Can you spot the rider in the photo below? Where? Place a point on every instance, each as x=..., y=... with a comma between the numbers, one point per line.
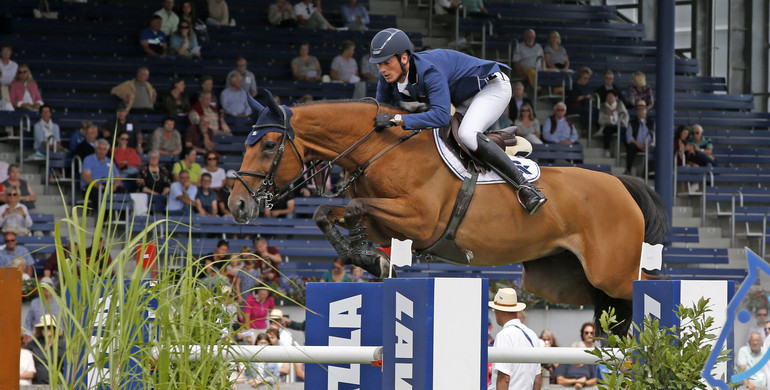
x=478, y=89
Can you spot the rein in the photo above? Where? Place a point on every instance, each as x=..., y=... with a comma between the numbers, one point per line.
x=268, y=192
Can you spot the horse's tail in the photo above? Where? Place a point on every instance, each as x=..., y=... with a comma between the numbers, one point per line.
x=655, y=226
x=655, y=217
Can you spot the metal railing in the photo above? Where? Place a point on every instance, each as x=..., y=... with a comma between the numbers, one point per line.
x=23, y=120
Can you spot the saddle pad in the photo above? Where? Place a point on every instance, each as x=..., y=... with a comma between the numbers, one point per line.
x=528, y=168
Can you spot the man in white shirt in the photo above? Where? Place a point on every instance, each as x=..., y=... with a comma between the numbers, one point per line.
x=748, y=357
x=169, y=17
x=525, y=57
x=309, y=15
x=513, y=376
x=7, y=66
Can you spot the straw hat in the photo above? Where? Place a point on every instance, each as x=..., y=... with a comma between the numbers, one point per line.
x=276, y=314
x=641, y=103
x=46, y=321
x=506, y=300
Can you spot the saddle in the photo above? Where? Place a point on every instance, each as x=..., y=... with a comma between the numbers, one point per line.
x=450, y=137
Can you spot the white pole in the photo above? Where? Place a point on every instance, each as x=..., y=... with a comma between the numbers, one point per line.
x=366, y=355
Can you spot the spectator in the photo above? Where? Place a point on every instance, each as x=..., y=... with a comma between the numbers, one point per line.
x=337, y=273
x=269, y=271
x=636, y=134
x=181, y=195
x=24, y=92
x=199, y=137
x=45, y=129
x=517, y=100
x=187, y=163
x=475, y=8
x=684, y=153
x=344, y=67
x=609, y=85
x=5, y=96
x=98, y=166
x=513, y=335
x=79, y=135
x=262, y=375
x=525, y=57
x=154, y=42
x=27, y=196
x=576, y=375
x=580, y=97
x=51, y=267
x=703, y=147
x=42, y=305
x=357, y=274
x=219, y=14
x=555, y=54
x=285, y=338
x=8, y=67
x=586, y=336
x=759, y=326
x=206, y=198
x=368, y=70
x=154, y=178
x=87, y=146
x=281, y=14
x=126, y=159
x=527, y=125
x=137, y=94
x=306, y=67
x=13, y=250
x=189, y=14
x=249, y=80
x=234, y=99
x=176, y=102
x=247, y=277
x=548, y=340
x=216, y=172
x=184, y=42
x=207, y=85
x=611, y=115
x=27, y=272
x=169, y=19
x=306, y=98
x=639, y=90
x=43, y=348
x=445, y=8
x=767, y=330
x=213, y=261
x=166, y=139
x=355, y=16
x=749, y=356
x=257, y=309
x=124, y=124
x=224, y=193
x=309, y=15
x=558, y=129
x=14, y=216
x=205, y=107
x=27, y=368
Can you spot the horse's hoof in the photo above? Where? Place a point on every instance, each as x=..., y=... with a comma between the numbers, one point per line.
x=383, y=261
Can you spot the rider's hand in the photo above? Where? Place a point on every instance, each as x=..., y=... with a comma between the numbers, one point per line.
x=383, y=121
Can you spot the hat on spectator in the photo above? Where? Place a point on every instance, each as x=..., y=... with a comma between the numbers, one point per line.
x=46, y=321
x=46, y=280
x=276, y=314
x=641, y=103
x=231, y=174
x=506, y=300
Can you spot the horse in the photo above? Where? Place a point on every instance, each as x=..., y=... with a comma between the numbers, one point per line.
x=582, y=247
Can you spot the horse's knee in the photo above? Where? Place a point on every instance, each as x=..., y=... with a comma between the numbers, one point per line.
x=354, y=210
x=321, y=217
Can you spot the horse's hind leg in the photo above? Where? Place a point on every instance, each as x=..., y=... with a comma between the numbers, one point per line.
x=353, y=250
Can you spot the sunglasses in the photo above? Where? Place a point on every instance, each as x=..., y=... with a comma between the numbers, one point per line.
x=184, y=27
x=525, y=111
x=588, y=332
x=761, y=314
x=10, y=240
x=123, y=138
x=13, y=194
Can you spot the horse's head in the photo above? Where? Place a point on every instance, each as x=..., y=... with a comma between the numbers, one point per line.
x=265, y=173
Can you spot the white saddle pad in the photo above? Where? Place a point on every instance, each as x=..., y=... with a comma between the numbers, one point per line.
x=528, y=168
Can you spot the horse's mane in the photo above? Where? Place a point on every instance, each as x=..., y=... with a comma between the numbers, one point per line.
x=367, y=101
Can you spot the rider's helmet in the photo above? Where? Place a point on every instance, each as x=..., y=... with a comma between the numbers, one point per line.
x=388, y=43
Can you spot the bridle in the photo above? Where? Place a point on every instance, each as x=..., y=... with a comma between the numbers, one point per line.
x=269, y=192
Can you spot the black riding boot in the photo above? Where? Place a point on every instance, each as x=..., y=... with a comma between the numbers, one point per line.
x=529, y=196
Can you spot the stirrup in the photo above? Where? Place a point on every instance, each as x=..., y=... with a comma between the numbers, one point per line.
x=537, y=207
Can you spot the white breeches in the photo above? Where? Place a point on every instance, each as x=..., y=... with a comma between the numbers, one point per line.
x=483, y=109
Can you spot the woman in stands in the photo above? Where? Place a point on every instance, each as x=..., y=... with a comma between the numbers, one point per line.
x=684, y=153
x=24, y=92
x=527, y=125
x=184, y=42
x=27, y=196
x=479, y=89
x=176, y=102
x=187, y=13
x=305, y=67
x=125, y=157
x=639, y=90
x=187, y=163
x=555, y=54
x=611, y=114
x=14, y=216
x=154, y=178
x=217, y=173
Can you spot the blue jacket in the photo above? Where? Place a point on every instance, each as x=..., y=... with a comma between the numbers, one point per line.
x=438, y=77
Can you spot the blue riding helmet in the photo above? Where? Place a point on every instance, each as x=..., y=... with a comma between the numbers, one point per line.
x=388, y=43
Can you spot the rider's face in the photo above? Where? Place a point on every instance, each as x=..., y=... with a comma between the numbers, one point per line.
x=391, y=68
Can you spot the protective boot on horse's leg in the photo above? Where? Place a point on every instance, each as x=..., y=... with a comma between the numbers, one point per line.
x=529, y=196
x=370, y=259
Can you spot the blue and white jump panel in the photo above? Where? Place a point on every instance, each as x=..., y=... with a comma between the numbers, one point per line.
x=435, y=333
x=344, y=314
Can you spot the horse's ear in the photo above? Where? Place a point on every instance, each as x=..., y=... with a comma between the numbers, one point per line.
x=271, y=104
x=254, y=104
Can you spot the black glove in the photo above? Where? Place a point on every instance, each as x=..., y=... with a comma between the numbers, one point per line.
x=383, y=121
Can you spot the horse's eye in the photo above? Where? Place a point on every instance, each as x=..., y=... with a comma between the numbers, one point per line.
x=269, y=145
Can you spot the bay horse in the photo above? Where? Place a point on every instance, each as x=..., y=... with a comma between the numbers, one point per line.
x=583, y=247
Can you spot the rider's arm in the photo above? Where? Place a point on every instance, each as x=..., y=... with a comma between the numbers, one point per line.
x=440, y=102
